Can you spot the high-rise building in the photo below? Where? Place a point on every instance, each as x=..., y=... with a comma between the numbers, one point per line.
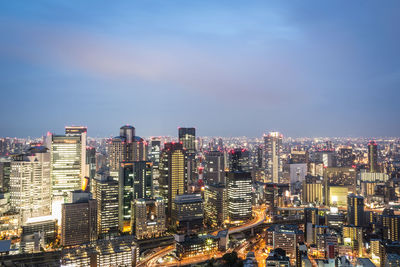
x=30, y=191
x=311, y=218
x=313, y=190
x=239, y=160
x=273, y=149
x=391, y=226
x=154, y=157
x=215, y=204
x=373, y=156
x=239, y=192
x=187, y=136
x=79, y=220
x=285, y=237
x=148, y=218
x=299, y=156
x=355, y=210
x=135, y=181
x=5, y=169
x=68, y=162
x=345, y=156
x=277, y=258
x=90, y=162
x=173, y=180
x=188, y=213
x=214, y=171
x=126, y=148
x=105, y=190
x=353, y=236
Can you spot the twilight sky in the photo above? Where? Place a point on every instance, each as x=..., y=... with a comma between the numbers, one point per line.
x=305, y=68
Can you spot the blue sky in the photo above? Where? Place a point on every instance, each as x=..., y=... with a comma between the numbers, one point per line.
x=305, y=68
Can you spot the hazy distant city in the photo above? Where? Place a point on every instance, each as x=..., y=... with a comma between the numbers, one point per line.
x=166, y=133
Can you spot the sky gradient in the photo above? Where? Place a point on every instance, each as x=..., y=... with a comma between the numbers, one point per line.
x=230, y=68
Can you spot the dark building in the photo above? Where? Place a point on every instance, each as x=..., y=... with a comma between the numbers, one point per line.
x=79, y=220
x=135, y=181
x=187, y=136
x=214, y=171
x=239, y=160
x=355, y=210
x=91, y=161
x=5, y=170
x=215, y=204
x=373, y=156
x=345, y=156
x=173, y=175
x=188, y=213
x=311, y=218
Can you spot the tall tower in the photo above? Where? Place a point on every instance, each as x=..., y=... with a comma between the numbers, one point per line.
x=172, y=174
x=373, y=156
x=239, y=189
x=355, y=210
x=68, y=161
x=135, y=181
x=126, y=147
x=187, y=136
x=30, y=191
x=273, y=149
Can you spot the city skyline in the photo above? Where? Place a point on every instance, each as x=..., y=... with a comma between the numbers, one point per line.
x=303, y=69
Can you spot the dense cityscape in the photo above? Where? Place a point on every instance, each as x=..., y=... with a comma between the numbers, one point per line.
x=186, y=200
x=165, y=133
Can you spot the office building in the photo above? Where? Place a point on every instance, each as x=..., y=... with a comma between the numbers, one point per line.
x=127, y=147
x=215, y=205
x=30, y=191
x=355, y=210
x=173, y=178
x=239, y=192
x=194, y=245
x=45, y=224
x=5, y=170
x=299, y=156
x=90, y=162
x=79, y=220
x=239, y=160
x=187, y=136
x=105, y=191
x=148, y=218
x=373, y=156
x=154, y=157
x=214, y=169
x=135, y=181
x=188, y=213
x=273, y=150
x=313, y=190
x=68, y=163
x=345, y=156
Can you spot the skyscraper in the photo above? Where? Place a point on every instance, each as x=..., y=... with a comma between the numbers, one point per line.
x=187, y=136
x=239, y=160
x=30, y=191
x=5, y=168
x=68, y=161
x=311, y=219
x=172, y=174
x=373, y=156
x=79, y=220
x=135, y=181
x=188, y=213
x=214, y=171
x=105, y=192
x=345, y=156
x=127, y=147
x=239, y=189
x=355, y=210
x=215, y=204
x=273, y=149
